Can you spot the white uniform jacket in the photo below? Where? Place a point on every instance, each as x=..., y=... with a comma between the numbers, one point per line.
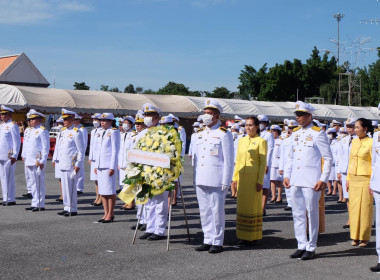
x=309, y=146
x=276, y=155
x=26, y=134
x=10, y=140
x=343, y=153
x=375, y=176
x=268, y=136
x=92, y=152
x=182, y=135
x=107, y=148
x=126, y=143
x=286, y=146
x=214, y=161
x=70, y=151
x=36, y=146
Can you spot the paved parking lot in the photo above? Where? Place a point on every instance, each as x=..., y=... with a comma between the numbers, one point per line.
x=47, y=246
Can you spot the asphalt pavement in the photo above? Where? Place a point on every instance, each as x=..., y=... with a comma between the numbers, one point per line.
x=47, y=246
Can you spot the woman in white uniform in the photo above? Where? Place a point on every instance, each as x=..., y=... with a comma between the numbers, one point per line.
x=107, y=149
x=92, y=156
x=331, y=135
x=275, y=176
x=126, y=141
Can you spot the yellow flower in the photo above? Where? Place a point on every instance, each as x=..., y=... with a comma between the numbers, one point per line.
x=149, y=142
x=155, y=145
x=143, y=149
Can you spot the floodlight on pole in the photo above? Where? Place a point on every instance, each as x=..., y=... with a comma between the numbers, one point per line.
x=338, y=17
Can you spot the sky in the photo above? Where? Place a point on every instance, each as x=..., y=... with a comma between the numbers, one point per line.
x=201, y=43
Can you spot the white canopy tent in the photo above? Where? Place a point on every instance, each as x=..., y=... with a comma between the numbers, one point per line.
x=51, y=100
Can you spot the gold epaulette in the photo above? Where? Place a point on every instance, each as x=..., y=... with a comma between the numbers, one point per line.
x=297, y=128
x=114, y=128
x=75, y=129
x=82, y=126
x=316, y=128
x=376, y=130
x=63, y=128
x=13, y=122
x=223, y=129
x=42, y=127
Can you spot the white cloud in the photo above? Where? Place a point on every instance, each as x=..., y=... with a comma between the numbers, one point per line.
x=35, y=11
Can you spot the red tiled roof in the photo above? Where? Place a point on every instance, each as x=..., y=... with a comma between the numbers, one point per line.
x=6, y=61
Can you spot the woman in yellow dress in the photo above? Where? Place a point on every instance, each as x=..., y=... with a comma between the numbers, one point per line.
x=358, y=178
x=248, y=180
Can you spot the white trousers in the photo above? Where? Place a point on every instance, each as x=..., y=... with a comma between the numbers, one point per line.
x=27, y=180
x=157, y=214
x=345, y=192
x=80, y=181
x=143, y=213
x=211, y=202
x=376, y=196
x=69, y=190
x=266, y=184
x=288, y=196
x=305, y=199
x=37, y=186
x=121, y=177
x=7, y=178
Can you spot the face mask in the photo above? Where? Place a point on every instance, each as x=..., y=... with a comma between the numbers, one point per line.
x=126, y=126
x=148, y=121
x=286, y=128
x=96, y=123
x=330, y=136
x=234, y=134
x=207, y=119
x=242, y=129
x=201, y=125
x=262, y=126
x=195, y=129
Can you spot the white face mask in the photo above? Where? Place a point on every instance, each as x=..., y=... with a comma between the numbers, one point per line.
x=96, y=123
x=262, y=126
x=207, y=119
x=195, y=129
x=242, y=129
x=234, y=134
x=126, y=126
x=201, y=125
x=330, y=136
x=286, y=128
x=148, y=121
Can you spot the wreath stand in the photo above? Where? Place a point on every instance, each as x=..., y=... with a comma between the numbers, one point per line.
x=171, y=194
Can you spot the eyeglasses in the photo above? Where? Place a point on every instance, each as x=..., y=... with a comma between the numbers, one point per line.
x=301, y=114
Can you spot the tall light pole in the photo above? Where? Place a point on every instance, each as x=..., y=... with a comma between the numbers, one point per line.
x=338, y=17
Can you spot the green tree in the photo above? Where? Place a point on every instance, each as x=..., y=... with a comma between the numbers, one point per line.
x=220, y=92
x=81, y=86
x=129, y=89
x=104, y=88
x=173, y=88
x=115, y=89
x=139, y=89
x=149, y=91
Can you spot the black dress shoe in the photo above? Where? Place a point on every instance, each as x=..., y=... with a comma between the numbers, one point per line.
x=155, y=237
x=346, y=226
x=297, y=254
x=9, y=203
x=35, y=209
x=215, y=249
x=242, y=244
x=118, y=191
x=143, y=228
x=28, y=195
x=97, y=204
x=29, y=208
x=279, y=201
x=145, y=235
x=58, y=199
x=133, y=227
x=375, y=268
x=67, y=214
x=128, y=209
x=203, y=247
x=308, y=256
x=287, y=208
x=79, y=192
x=62, y=213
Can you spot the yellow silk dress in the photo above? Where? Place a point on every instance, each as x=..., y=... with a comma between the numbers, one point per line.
x=361, y=202
x=251, y=161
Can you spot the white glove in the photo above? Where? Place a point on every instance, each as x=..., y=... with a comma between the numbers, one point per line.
x=38, y=171
x=225, y=187
x=72, y=175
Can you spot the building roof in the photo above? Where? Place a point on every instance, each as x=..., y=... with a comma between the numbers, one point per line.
x=20, y=70
x=5, y=61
